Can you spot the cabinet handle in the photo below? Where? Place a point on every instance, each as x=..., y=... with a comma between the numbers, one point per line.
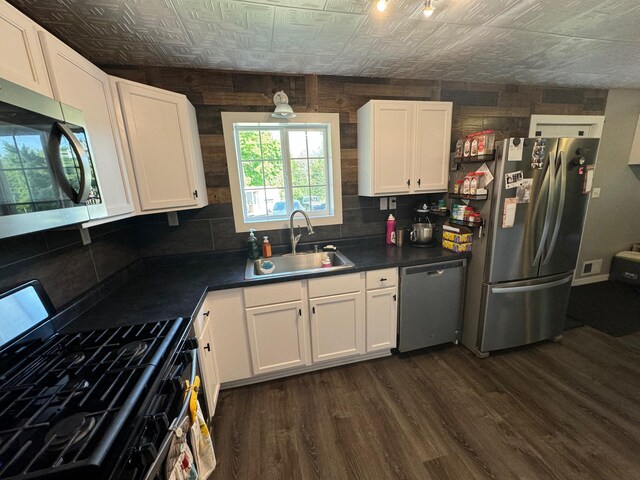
x=313, y=309
x=409, y=183
x=383, y=279
x=195, y=194
x=395, y=297
x=207, y=347
x=300, y=311
x=206, y=314
x=418, y=182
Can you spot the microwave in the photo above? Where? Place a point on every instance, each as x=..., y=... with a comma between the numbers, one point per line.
x=47, y=177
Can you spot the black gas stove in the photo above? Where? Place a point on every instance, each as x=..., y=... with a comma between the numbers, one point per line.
x=89, y=404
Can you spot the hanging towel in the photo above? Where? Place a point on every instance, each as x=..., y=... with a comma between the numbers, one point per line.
x=200, y=438
x=179, y=464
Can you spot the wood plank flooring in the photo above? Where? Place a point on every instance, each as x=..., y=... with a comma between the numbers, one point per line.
x=551, y=411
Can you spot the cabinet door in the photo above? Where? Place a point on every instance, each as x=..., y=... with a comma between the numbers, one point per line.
x=433, y=141
x=393, y=149
x=382, y=319
x=229, y=329
x=21, y=59
x=277, y=337
x=209, y=368
x=337, y=326
x=158, y=130
x=79, y=83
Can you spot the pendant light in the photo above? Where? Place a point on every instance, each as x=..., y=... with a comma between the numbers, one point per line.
x=429, y=8
x=382, y=5
x=283, y=109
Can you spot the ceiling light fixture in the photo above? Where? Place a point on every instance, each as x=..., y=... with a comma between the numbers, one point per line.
x=283, y=109
x=382, y=5
x=429, y=8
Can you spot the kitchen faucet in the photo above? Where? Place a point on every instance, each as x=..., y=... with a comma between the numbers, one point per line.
x=296, y=238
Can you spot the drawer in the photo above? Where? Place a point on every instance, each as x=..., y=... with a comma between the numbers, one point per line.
x=384, y=278
x=336, y=285
x=272, y=294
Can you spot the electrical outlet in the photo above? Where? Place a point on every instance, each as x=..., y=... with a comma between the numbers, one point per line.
x=392, y=203
x=592, y=267
x=595, y=193
x=384, y=203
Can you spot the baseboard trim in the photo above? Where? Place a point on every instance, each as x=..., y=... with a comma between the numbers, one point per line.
x=298, y=370
x=587, y=280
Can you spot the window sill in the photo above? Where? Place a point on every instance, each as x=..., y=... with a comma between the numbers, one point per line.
x=283, y=224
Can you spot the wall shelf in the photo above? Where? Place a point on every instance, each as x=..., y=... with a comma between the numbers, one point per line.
x=465, y=223
x=490, y=157
x=467, y=197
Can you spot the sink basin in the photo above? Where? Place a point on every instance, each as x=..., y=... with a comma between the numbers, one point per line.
x=290, y=264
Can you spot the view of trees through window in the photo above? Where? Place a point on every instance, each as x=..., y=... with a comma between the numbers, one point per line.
x=283, y=168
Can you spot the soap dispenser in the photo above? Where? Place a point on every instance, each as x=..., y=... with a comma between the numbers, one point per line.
x=253, y=250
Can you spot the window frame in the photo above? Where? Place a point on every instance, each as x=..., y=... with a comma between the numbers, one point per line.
x=328, y=121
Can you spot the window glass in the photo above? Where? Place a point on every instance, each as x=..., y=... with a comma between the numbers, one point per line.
x=275, y=180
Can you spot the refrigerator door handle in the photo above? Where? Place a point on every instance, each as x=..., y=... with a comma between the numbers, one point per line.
x=531, y=288
x=560, y=212
x=550, y=201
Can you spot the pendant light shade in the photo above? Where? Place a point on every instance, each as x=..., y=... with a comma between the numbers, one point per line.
x=283, y=109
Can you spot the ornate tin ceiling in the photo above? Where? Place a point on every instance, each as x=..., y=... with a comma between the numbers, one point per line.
x=571, y=42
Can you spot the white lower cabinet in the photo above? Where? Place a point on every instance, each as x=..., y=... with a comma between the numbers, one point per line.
x=338, y=322
x=277, y=336
x=209, y=376
x=382, y=319
x=382, y=309
x=266, y=330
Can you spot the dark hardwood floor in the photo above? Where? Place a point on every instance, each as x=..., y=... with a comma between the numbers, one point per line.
x=551, y=411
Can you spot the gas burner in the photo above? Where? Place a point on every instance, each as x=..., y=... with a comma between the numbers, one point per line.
x=132, y=350
x=73, y=359
x=77, y=383
x=70, y=431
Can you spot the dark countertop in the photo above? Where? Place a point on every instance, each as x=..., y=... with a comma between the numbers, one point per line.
x=174, y=286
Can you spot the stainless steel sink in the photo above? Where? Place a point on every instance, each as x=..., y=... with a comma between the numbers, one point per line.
x=294, y=264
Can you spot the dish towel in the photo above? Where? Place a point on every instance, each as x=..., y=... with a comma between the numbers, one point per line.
x=179, y=464
x=200, y=438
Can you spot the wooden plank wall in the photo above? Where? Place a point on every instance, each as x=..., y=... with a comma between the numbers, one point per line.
x=477, y=106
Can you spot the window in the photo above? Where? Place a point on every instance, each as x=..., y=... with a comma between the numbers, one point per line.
x=275, y=168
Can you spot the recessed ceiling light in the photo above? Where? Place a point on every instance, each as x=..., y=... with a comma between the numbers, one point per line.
x=429, y=8
x=382, y=5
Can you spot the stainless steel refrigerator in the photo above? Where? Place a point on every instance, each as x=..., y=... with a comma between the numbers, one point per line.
x=521, y=270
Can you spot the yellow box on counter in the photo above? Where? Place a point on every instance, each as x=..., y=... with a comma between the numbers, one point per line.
x=456, y=247
x=457, y=237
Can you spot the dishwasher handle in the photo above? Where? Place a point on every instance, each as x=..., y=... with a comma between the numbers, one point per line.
x=433, y=269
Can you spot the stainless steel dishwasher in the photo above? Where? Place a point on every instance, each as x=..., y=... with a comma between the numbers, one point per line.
x=431, y=300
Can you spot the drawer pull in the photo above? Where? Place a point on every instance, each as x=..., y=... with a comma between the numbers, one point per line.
x=206, y=314
x=383, y=279
x=207, y=347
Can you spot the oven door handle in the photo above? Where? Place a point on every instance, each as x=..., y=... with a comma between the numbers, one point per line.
x=157, y=465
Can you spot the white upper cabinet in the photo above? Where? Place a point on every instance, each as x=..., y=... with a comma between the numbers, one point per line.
x=79, y=83
x=21, y=59
x=433, y=142
x=164, y=147
x=403, y=147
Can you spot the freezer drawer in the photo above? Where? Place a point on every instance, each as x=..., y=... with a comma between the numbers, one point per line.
x=519, y=313
x=431, y=298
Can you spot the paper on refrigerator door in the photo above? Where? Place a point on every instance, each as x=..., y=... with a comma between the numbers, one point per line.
x=513, y=180
x=487, y=175
x=509, y=212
